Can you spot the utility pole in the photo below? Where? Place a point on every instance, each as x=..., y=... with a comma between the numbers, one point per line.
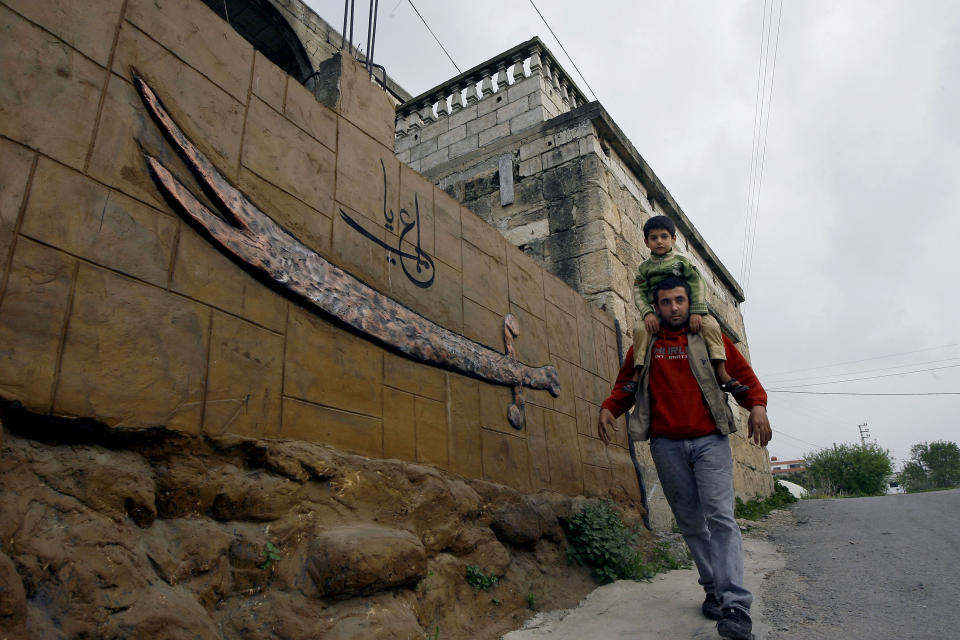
x=864, y=433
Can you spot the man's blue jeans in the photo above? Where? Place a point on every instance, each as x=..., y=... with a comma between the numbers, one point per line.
x=697, y=480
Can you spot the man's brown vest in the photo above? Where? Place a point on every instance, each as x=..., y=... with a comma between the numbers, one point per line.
x=703, y=371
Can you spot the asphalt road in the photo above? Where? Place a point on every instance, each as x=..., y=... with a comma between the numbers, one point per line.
x=878, y=568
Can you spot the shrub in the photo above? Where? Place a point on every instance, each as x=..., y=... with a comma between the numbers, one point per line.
x=859, y=470
x=599, y=539
x=758, y=507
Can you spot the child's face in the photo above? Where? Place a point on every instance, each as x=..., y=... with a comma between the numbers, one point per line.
x=659, y=241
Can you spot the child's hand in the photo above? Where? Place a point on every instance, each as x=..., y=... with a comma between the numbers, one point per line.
x=651, y=322
x=696, y=322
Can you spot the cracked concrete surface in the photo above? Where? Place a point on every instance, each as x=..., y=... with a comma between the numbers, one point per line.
x=666, y=607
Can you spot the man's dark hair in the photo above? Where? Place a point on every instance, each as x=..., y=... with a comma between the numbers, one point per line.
x=670, y=282
x=659, y=222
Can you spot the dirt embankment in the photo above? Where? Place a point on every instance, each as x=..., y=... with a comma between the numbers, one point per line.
x=155, y=534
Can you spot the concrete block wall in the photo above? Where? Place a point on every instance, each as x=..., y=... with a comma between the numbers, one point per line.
x=113, y=308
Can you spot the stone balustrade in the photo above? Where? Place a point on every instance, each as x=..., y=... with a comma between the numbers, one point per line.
x=515, y=90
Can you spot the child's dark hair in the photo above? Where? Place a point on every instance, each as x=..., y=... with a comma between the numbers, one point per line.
x=659, y=222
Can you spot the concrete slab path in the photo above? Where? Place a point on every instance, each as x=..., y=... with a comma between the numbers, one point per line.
x=666, y=607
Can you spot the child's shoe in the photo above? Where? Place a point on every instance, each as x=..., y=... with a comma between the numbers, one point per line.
x=733, y=386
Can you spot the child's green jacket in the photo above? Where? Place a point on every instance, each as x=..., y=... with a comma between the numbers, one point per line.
x=656, y=268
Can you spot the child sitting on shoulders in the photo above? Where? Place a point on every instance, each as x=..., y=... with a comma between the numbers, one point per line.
x=660, y=235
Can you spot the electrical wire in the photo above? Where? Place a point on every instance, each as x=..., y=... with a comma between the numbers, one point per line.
x=889, y=355
x=564, y=50
x=836, y=375
x=753, y=145
x=780, y=432
x=435, y=36
x=851, y=393
x=758, y=149
x=887, y=375
x=758, y=127
x=808, y=407
x=763, y=155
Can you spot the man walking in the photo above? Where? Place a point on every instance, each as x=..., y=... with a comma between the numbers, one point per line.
x=682, y=411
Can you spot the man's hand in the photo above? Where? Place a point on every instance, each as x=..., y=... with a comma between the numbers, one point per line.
x=606, y=422
x=758, y=426
x=651, y=322
x=696, y=321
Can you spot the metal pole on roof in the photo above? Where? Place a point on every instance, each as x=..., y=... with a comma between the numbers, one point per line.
x=373, y=40
x=369, y=36
x=353, y=13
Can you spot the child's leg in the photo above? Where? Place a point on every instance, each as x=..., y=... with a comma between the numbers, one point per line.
x=710, y=330
x=641, y=340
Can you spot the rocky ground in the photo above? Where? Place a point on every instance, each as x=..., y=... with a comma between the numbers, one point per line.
x=155, y=534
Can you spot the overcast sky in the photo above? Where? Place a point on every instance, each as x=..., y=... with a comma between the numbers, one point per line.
x=855, y=259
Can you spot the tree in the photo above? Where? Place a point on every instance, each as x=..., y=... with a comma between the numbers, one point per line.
x=860, y=469
x=934, y=465
x=913, y=477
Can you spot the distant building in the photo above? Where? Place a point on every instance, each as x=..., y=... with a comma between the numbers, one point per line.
x=787, y=466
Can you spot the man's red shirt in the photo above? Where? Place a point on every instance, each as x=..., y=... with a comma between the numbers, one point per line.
x=672, y=384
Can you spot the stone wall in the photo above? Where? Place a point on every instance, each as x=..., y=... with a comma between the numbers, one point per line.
x=113, y=308
x=579, y=212
x=579, y=194
x=503, y=96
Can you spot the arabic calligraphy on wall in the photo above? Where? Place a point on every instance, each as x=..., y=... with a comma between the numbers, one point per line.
x=417, y=265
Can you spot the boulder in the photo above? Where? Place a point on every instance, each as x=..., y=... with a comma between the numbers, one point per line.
x=363, y=559
x=517, y=524
x=13, y=598
x=162, y=613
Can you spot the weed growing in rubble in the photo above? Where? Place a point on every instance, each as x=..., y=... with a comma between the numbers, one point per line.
x=532, y=601
x=271, y=553
x=424, y=583
x=664, y=559
x=479, y=580
x=757, y=508
x=599, y=539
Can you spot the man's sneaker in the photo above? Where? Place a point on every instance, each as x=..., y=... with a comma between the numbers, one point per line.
x=735, y=624
x=711, y=607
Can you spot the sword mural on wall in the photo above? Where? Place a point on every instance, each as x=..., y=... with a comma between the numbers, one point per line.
x=259, y=242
